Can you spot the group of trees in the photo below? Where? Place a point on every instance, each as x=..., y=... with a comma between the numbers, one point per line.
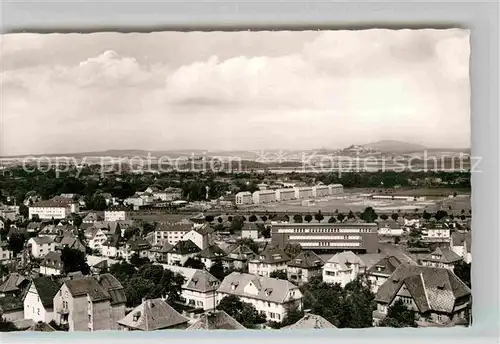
x=148, y=281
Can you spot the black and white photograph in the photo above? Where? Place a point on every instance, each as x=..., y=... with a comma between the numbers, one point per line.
x=235, y=180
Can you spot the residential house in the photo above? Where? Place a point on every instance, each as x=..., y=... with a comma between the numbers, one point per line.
x=135, y=201
x=171, y=233
x=70, y=241
x=270, y=296
x=461, y=244
x=13, y=284
x=137, y=245
x=172, y=194
x=39, y=300
x=436, y=295
x=304, y=266
x=152, y=315
x=201, y=236
x=95, y=238
x=115, y=215
x=90, y=303
x=250, y=230
x=91, y=218
x=34, y=227
x=211, y=254
x=160, y=253
x=6, y=253
x=198, y=290
x=50, y=231
x=442, y=257
x=216, y=320
x=389, y=228
x=310, y=322
x=40, y=246
x=381, y=271
x=181, y=252
x=51, y=264
x=243, y=197
x=271, y=259
x=238, y=257
x=343, y=268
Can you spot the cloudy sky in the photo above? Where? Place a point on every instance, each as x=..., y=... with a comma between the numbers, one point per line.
x=65, y=93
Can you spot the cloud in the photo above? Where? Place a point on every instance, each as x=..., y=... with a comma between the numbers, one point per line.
x=321, y=89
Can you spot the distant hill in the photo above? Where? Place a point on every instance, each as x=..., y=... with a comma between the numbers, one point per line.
x=393, y=146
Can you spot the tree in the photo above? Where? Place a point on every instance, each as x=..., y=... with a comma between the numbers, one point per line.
x=77, y=220
x=263, y=218
x=194, y=263
x=384, y=217
x=236, y=224
x=398, y=315
x=24, y=211
x=252, y=218
x=394, y=216
x=369, y=215
x=217, y=270
x=308, y=218
x=248, y=242
x=332, y=219
x=318, y=216
x=209, y=218
x=462, y=270
x=426, y=215
x=292, y=249
x=242, y=312
x=440, y=214
x=220, y=220
x=74, y=260
x=279, y=274
x=7, y=326
x=297, y=218
x=138, y=261
x=351, y=215
x=148, y=228
x=340, y=217
x=16, y=243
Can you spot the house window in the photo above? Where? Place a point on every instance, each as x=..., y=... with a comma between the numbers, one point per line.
x=90, y=318
x=38, y=311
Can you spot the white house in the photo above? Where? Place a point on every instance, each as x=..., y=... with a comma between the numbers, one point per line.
x=40, y=246
x=51, y=264
x=264, y=196
x=171, y=233
x=211, y=255
x=115, y=215
x=39, y=299
x=343, y=268
x=436, y=233
x=320, y=191
x=5, y=253
x=200, y=236
x=250, y=230
x=243, y=197
x=303, y=192
x=268, y=261
x=285, y=194
x=56, y=208
x=270, y=296
x=95, y=238
x=199, y=288
x=181, y=252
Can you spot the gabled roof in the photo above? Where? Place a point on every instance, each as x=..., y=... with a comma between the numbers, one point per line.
x=12, y=283
x=458, y=239
x=269, y=289
x=272, y=255
x=185, y=247
x=137, y=243
x=387, y=266
x=52, y=259
x=202, y=281
x=45, y=240
x=152, y=315
x=344, y=259
x=306, y=260
x=443, y=255
x=216, y=320
x=212, y=252
x=83, y=286
x=310, y=321
x=431, y=288
x=46, y=288
x=115, y=289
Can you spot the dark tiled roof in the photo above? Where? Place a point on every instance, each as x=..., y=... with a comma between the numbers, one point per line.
x=388, y=265
x=185, y=247
x=216, y=320
x=88, y=286
x=310, y=321
x=432, y=288
x=202, y=281
x=114, y=288
x=273, y=254
x=52, y=259
x=212, y=252
x=306, y=260
x=47, y=288
x=137, y=243
x=443, y=255
x=12, y=283
x=41, y=327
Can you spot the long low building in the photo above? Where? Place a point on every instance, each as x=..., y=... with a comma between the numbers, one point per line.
x=356, y=237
